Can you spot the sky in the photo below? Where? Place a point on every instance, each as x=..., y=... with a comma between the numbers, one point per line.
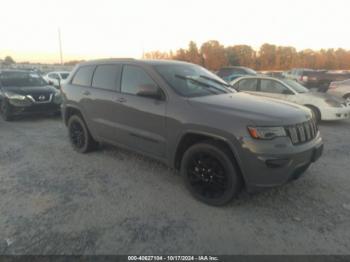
x=127, y=28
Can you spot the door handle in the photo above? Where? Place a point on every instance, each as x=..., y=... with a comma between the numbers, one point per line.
x=86, y=93
x=121, y=100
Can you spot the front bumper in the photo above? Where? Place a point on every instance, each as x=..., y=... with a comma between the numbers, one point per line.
x=46, y=108
x=281, y=164
x=335, y=113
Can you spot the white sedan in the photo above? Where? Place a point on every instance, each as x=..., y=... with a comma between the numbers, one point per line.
x=56, y=78
x=340, y=89
x=324, y=106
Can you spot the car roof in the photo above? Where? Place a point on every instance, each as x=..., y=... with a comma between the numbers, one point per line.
x=235, y=67
x=136, y=61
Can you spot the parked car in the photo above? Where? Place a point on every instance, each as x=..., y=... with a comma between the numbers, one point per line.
x=320, y=79
x=323, y=106
x=56, y=78
x=340, y=89
x=233, y=72
x=23, y=92
x=188, y=118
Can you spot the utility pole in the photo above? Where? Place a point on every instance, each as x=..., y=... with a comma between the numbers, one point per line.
x=60, y=45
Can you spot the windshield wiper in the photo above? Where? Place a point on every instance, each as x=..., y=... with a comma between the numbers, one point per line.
x=215, y=80
x=209, y=86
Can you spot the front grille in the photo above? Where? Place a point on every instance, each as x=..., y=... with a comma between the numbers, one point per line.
x=302, y=133
x=41, y=97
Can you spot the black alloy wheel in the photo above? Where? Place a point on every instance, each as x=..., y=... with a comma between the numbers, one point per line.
x=209, y=173
x=79, y=135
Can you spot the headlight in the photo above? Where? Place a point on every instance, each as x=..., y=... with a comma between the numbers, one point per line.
x=15, y=96
x=333, y=102
x=266, y=133
x=57, y=98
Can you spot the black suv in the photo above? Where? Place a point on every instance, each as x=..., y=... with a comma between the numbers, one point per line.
x=190, y=119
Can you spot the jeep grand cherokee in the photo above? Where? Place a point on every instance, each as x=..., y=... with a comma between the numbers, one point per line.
x=190, y=119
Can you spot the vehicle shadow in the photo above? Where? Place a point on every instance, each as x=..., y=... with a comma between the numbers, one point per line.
x=36, y=118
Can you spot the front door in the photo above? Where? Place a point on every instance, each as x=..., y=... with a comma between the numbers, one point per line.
x=141, y=120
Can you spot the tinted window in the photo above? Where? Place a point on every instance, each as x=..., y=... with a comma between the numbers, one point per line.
x=107, y=77
x=271, y=86
x=134, y=79
x=83, y=76
x=248, y=85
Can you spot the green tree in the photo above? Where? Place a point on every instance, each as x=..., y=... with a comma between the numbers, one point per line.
x=9, y=60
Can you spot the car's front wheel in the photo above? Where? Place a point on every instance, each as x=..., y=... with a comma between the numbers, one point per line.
x=79, y=135
x=210, y=173
x=6, y=110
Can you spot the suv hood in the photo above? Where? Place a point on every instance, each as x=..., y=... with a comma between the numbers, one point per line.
x=33, y=90
x=260, y=110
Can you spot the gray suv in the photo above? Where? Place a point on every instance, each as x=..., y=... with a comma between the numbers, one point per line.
x=190, y=119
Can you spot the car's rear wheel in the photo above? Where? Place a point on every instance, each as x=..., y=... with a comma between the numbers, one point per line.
x=210, y=173
x=6, y=110
x=80, y=136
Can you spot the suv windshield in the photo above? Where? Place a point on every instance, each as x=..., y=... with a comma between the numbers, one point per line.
x=191, y=80
x=296, y=86
x=21, y=79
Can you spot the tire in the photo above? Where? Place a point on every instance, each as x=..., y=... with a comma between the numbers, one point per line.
x=6, y=110
x=79, y=135
x=316, y=113
x=347, y=97
x=210, y=174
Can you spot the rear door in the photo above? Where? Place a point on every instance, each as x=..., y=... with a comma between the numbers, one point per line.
x=99, y=100
x=140, y=119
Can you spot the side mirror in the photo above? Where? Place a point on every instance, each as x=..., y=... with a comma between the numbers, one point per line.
x=50, y=83
x=150, y=91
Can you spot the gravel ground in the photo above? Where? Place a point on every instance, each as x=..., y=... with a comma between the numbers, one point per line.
x=56, y=201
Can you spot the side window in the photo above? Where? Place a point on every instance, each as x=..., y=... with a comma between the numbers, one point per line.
x=107, y=77
x=248, y=85
x=135, y=79
x=271, y=86
x=83, y=76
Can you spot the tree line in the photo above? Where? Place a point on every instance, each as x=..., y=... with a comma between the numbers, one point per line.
x=214, y=55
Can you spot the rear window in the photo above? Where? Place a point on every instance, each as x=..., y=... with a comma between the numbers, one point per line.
x=83, y=76
x=107, y=77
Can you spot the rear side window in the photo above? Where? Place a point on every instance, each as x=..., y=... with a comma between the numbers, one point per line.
x=83, y=76
x=107, y=77
x=247, y=85
x=134, y=78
